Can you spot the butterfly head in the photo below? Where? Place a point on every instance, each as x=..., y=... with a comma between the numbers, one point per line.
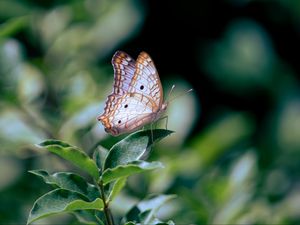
x=164, y=106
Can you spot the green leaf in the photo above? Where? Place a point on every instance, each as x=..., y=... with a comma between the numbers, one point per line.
x=154, y=202
x=130, y=223
x=10, y=27
x=170, y=222
x=134, y=167
x=59, y=201
x=99, y=156
x=72, y=154
x=133, y=147
x=69, y=181
x=147, y=208
x=148, y=217
x=117, y=187
x=87, y=217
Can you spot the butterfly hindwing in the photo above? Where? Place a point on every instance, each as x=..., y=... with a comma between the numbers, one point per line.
x=131, y=112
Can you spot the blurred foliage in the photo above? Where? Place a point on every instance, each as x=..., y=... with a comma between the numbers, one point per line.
x=229, y=164
x=109, y=170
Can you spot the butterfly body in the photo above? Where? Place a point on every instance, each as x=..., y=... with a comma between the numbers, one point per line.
x=137, y=97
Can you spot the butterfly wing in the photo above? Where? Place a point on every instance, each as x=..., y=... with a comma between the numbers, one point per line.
x=131, y=112
x=146, y=80
x=137, y=95
x=124, y=67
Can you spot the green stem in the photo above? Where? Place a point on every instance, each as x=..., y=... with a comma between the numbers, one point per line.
x=107, y=213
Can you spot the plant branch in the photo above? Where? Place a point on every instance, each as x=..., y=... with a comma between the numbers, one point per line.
x=107, y=213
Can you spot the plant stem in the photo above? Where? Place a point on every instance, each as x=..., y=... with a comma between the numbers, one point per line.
x=107, y=213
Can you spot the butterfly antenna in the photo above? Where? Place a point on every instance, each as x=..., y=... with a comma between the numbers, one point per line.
x=181, y=94
x=172, y=88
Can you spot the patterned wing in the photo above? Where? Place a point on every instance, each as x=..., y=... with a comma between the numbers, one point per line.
x=146, y=80
x=137, y=94
x=124, y=67
x=131, y=112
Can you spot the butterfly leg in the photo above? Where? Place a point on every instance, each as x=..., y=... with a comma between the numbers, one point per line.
x=164, y=117
x=155, y=125
x=151, y=132
x=167, y=120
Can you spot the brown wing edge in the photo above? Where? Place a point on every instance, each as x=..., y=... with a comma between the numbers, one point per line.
x=116, y=61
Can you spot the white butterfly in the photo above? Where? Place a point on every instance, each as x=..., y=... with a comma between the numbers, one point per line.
x=137, y=97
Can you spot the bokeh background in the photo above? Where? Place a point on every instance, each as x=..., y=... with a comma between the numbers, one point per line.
x=235, y=156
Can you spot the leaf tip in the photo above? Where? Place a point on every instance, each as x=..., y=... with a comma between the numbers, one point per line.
x=39, y=145
x=31, y=171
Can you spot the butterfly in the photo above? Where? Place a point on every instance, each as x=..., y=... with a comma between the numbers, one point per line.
x=137, y=97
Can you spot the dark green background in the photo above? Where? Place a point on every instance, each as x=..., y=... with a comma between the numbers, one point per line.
x=235, y=157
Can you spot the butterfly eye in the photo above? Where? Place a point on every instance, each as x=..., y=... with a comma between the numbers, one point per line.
x=119, y=121
x=142, y=87
x=126, y=106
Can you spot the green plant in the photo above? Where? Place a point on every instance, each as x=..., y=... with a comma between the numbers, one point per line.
x=109, y=170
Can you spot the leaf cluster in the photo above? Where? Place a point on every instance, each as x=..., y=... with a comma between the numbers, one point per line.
x=109, y=170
